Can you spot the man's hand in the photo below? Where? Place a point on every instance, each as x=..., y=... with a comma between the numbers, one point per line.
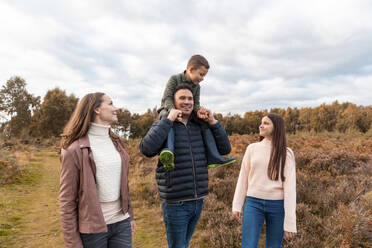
x=202, y=113
x=175, y=115
x=237, y=215
x=210, y=117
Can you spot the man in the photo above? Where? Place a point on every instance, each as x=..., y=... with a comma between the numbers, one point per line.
x=182, y=190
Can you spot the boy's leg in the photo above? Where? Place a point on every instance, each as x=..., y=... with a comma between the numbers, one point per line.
x=163, y=114
x=214, y=158
x=166, y=156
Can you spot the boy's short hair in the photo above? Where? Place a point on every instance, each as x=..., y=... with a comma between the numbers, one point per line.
x=182, y=87
x=197, y=61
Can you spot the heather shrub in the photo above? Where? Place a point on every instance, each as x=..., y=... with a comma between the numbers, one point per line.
x=349, y=226
x=217, y=224
x=309, y=225
x=334, y=185
x=9, y=169
x=368, y=201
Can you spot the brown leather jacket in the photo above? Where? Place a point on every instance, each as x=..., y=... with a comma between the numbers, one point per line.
x=80, y=208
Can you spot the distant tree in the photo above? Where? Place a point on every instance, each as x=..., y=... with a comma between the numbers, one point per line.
x=18, y=104
x=291, y=118
x=346, y=119
x=324, y=117
x=278, y=111
x=252, y=120
x=354, y=117
x=363, y=121
x=304, y=118
x=140, y=124
x=226, y=122
x=53, y=114
x=124, y=122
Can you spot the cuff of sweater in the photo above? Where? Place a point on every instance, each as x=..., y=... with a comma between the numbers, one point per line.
x=237, y=209
x=290, y=227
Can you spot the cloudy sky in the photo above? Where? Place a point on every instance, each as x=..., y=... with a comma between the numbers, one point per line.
x=263, y=54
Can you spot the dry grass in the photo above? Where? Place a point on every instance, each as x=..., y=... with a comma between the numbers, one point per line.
x=334, y=191
x=29, y=204
x=334, y=176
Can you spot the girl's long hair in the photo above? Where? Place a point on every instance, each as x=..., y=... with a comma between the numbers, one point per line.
x=81, y=118
x=279, y=148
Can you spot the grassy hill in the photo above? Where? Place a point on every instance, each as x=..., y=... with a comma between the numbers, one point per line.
x=334, y=194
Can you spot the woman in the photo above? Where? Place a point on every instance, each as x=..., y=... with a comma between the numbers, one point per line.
x=94, y=195
x=267, y=185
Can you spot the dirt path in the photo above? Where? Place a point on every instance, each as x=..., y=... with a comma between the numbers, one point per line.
x=32, y=205
x=29, y=211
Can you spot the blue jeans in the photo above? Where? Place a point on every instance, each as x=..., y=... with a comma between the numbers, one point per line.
x=256, y=211
x=118, y=235
x=180, y=220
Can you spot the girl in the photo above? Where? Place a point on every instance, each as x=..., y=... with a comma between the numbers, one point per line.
x=94, y=196
x=267, y=184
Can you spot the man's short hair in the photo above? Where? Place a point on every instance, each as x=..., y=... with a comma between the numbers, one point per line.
x=182, y=87
x=198, y=61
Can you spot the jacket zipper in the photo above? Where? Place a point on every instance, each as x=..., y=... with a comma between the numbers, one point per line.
x=193, y=164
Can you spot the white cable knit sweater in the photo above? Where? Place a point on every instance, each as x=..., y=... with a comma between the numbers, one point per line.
x=108, y=172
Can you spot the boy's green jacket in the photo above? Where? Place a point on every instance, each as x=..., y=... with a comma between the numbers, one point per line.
x=173, y=82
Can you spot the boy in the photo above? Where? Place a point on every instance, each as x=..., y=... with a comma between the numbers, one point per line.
x=197, y=69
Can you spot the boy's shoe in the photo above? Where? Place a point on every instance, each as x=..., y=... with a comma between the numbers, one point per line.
x=227, y=162
x=166, y=156
x=214, y=158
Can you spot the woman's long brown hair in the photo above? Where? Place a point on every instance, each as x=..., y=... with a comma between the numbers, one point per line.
x=80, y=119
x=279, y=148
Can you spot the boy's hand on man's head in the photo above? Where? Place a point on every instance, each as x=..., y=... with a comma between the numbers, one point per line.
x=175, y=115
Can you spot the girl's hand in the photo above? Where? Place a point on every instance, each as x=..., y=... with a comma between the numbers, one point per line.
x=237, y=215
x=133, y=226
x=289, y=235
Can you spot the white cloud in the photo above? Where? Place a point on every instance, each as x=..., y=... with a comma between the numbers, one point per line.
x=262, y=54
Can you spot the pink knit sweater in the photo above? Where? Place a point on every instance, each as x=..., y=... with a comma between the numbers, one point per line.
x=253, y=181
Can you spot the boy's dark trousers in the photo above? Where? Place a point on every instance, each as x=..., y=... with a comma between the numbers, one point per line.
x=214, y=158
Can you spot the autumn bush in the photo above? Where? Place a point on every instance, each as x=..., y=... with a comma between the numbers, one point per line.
x=8, y=167
x=334, y=185
x=14, y=155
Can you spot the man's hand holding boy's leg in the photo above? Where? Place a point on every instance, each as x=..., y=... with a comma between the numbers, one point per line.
x=202, y=113
x=210, y=117
x=175, y=115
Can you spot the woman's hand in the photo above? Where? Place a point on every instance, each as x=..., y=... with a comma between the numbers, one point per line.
x=237, y=215
x=289, y=235
x=133, y=226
